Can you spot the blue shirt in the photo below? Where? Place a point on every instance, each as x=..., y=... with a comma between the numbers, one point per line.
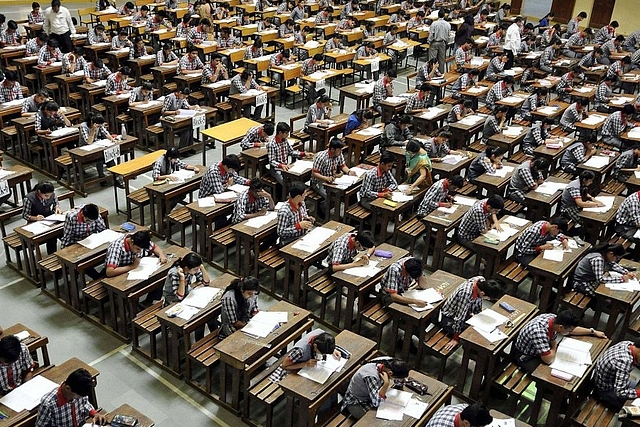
x=352, y=123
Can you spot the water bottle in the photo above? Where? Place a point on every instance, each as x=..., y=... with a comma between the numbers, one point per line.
x=123, y=131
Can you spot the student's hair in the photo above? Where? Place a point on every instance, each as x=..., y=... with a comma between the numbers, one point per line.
x=491, y=288
x=10, y=349
x=43, y=92
x=583, y=15
x=245, y=74
x=282, y=127
x=567, y=318
x=529, y=26
x=12, y=25
x=323, y=98
x=628, y=109
x=336, y=143
x=306, y=29
x=90, y=211
x=206, y=22
x=172, y=153
x=603, y=248
x=500, y=109
x=53, y=43
x=413, y=267
x=51, y=106
x=144, y=8
x=231, y=161
x=190, y=260
x=129, y=5
x=146, y=85
x=441, y=13
x=392, y=73
x=467, y=103
x=556, y=41
x=54, y=3
x=399, y=368
x=413, y=146
x=445, y=134
x=97, y=62
x=540, y=164
x=141, y=238
x=238, y=286
x=256, y=184
x=494, y=151
x=79, y=381
x=421, y=14
x=45, y=187
x=495, y=202
x=426, y=87
x=99, y=27
x=186, y=18
x=548, y=121
x=542, y=91
x=387, y=158
x=258, y=43
x=509, y=80
x=560, y=222
x=393, y=27
x=95, y=118
x=586, y=176
x=457, y=180
x=614, y=24
x=325, y=342
x=35, y=4
x=598, y=50
x=10, y=76
x=476, y=414
x=365, y=238
x=297, y=189
x=125, y=70
x=123, y=32
x=43, y=37
x=588, y=30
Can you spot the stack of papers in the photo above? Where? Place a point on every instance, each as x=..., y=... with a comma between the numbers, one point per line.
x=29, y=394
x=512, y=131
x=550, y=187
x=400, y=197
x=368, y=270
x=597, y=162
x=471, y=120
x=314, y=239
x=572, y=357
x=503, y=171
x=301, y=166
x=397, y=404
x=253, y=92
x=323, y=369
x=200, y=296
x=549, y=109
x=477, y=89
x=238, y=188
x=429, y=295
x=511, y=99
x=186, y=113
x=261, y=221
x=206, y=202
x=226, y=196
x=631, y=285
x=608, y=204
x=37, y=227
x=593, y=119
x=13, y=103
x=100, y=83
x=56, y=218
x=465, y=201
x=182, y=175
x=431, y=112
x=553, y=255
x=501, y=235
x=148, y=266
x=264, y=322
x=371, y=131
x=453, y=159
x=99, y=239
x=358, y=171
x=63, y=131
x=148, y=104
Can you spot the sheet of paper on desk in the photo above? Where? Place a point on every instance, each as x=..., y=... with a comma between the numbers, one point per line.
x=487, y=320
x=502, y=172
x=514, y=220
x=504, y=422
x=103, y=143
x=608, y=204
x=415, y=408
x=511, y=99
x=389, y=411
x=347, y=180
x=465, y=201
x=258, y=329
x=503, y=235
x=183, y=174
x=429, y=295
x=550, y=187
x=398, y=397
x=148, y=265
x=400, y=197
x=394, y=99
x=553, y=255
x=471, y=120
x=493, y=336
x=323, y=369
x=301, y=166
x=98, y=239
x=56, y=217
x=419, y=309
x=368, y=270
x=635, y=132
x=206, y=202
x=5, y=173
x=478, y=89
x=512, y=131
x=36, y=227
x=593, y=119
x=453, y=159
x=431, y=112
x=200, y=296
x=238, y=188
x=29, y=394
x=550, y=109
x=13, y=103
x=572, y=357
x=227, y=195
x=253, y=92
x=188, y=312
x=450, y=210
x=261, y=221
x=186, y=113
x=371, y=130
x=100, y=83
x=358, y=171
x=64, y=131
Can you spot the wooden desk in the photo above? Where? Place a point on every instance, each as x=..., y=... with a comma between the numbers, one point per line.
x=391, y=109
x=463, y=133
x=359, y=95
x=115, y=104
x=384, y=213
x=176, y=329
x=574, y=390
x=297, y=262
x=509, y=143
x=439, y=395
x=412, y=321
x=248, y=240
x=162, y=196
x=91, y=93
x=553, y=155
x=439, y=225
x=141, y=65
x=240, y=100
x=176, y=124
x=34, y=342
x=619, y=303
x=11, y=52
x=486, y=354
x=559, y=108
x=601, y=174
x=597, y=226
x=592, y=128
x=495, y=256
x=239, y=351
x=119, y=288
x=25, y=65
x=45, y=73
x=359, y=287
x=115, y=56
x=230, y=133
x=364, y=65
x=448, y=170
x=321, y=133
x=97, y=50
x=494, y=184
x=53, y=146
x=163, y=74
x=544, y=206
x=21, y=178
x=214, y=92
x=255, y=161
x=310, y=395
x=548, y=274
x=427, y=122
x=202, y=220
x=191, y=80
x=337, y=196
x=143, y=421
x=7, y=112
x=67, y=84
x=358, y=143
x=142, y=115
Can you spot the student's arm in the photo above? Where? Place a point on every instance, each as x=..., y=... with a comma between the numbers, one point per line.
x=157, y=250
x=112, y=271
x=580, y=331
x=549, y=356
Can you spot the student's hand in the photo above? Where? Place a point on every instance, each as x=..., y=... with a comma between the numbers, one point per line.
x=627, y=277
x=352, y=173
x=39, y=218
x=599, y=334
x=419, y=303
x=172, y=178
x=306, y=225
x=546, y=246
x=362, y=261
x=386, y=194
x=447, y=205
x=196, y=170
x=163, y=259
x=136, y=262
x=181, y=272
x=308, y=155
x=285, y=167
x=311, y=363
x=336, y=354
x=99, y=419
x=262, y=211
x=58, y=210
x=598, y=203
x=451, y=344
x=497, y=226
x=310, y=218
x=385, y=377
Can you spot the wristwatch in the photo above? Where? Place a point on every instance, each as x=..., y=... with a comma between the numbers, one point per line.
x=592, y=331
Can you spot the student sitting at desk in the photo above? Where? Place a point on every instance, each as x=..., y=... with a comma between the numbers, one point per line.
x=576, y=153
x=121, y=41
x=252, y=203
x=328, y=165
x=32, y=104
x=96, y=35
x=172, y=105
x=34, y=45
x=591, y=269
x=573, y=114
x=10, y=87
x=68, y=405
x=254, y=50
x=227, y=41
x=437, y=195
x=351, y=7
x=297, y=14
x=465, y=302
x=576, y=197
x=168, y=163
x=420, y=101
x=319, y=112
x=138, y=49
x=310, y=66
x=613, y=384
x=627, y=163
x=117, y=82
x=500, y=90
x=415, y=22
x=293, y=218
x=616, y=124
x=577, y=41
x=369, y=385
x=526, y=177
x=438, y=146
x=463, y=54
x=604, y=93
x=590, y=60
x=566, y=84
x=287, y=29
x=390, y=38
x=239, y=304
x=16, y=364
x=314, y=346
x=95, y=70
x=486, y=162
x=549, y=34
x=464, y=82
x=166, y=56
x=141, y=94
x=461, y=109
x=366, y=51
x=94, y=129
x=398, y=278
x=74, y=61
x=265, y=24
x=533, y=102
x=279, y=150
x=221, y=175
x=537, y=342
x=476, y=415
x=241, y=83
x=383, y=88
x=358, y=120
x=214, y=70
x=496, y=67
x=257, y=136
x=418, y=167
x=123, y=254
x=333, y=44
x=50, y=118
x=343, y=250
x=278, y=61
x=396, y=132
x=50, y=53
x=35, y=16
x=41, y=203
x=127, y=9
x=535, y=239
x=547, y=59
x=324, y=16
x=378, y=182
x=190, y=63
x=347, y=25
x=11, y=36
x=80, y=223
x=479, y=219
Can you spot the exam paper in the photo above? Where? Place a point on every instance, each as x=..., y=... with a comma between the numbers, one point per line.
x=415, y=408
x=553, y=255
x=450, y=210
x=389, y=411
x=13, y=103
x=493, y=336
x=550, y=187
x=502, y=172
x=188, y=312
x=431, y=112
x=597, y=162
x=98, y=239
x=429, y=295
x=398, y=397
x=487, y=320
x=200, y=296
x=514, y=220
x=264, y=322
x=206, y=202
x=186, y=113
x=371, y=131
x=358, y=171
x=36, y=227
x=511, y=99
x=225, y=196
x=593, y=119
x=368, y=270
x=547, y=110
x=453, y=159
x=504, y=422
x=63, y=131
x=471, y=120
x=5, y=173
x=301, y=166
x=572, y=357
x=323, y=369
x=314, y=239
x=400, y=197
x=465, y=201
x=503, y=235
x=347, y=180
x=261, y=221
x=394, y=99
x=148, y=265
x=238, y=188
x=56, y=217
x=608, y=204
x=29, y=394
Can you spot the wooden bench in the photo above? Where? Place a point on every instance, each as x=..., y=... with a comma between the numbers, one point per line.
x=513, y=275
x=512, y=208
x=50, y=265
x=139, y=198
x=11, y=241
x=146, y=322
x=9, y=136
x=225, y=109
x=412, y=228
x=341, y=420
x=468, y=189
x=156, y=133
x=99, y=109
x=299, y=134
x=376, y=315
x=373, y=159
x=180, y=218
x=203, y=353
x=434, y=344
x=268, y=393
x=225, y=239
x=478, y=146
x=594, y=413
x=613, y=187
x=169, y=88
x=519, y=157
x=513, y=381
x=459, y=255
x=272, y=260
x=65, y=163
x=359, y=214
x=323, y=286
x=576, y=301
x=96, y=292
x=484, y=110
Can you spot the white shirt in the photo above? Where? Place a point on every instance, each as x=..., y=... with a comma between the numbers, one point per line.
x=58, y=23
x=512, y=39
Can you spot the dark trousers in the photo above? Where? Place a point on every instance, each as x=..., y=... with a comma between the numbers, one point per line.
x=509, y=64
x=66, y=45
x=52, y=246
x=525, y=362
x=610, y=399
x=525, y=259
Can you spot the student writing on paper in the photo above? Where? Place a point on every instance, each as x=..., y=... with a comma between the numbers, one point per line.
x=533, y=102
x=40, y=203
x=576, y=153
x=168, y=163
x=96, y=70
x=418, y=168
x=465, y=302
x=49, y=53
x=221, y=175
x=16, y=364
x=293, y=218
x=499, y=90
x=186, y=273
x=486, y=162
x=378, y=182
x=526, y=177
x=258, y=136
x=34, y=45
x=616, y=124
x=538, y=135
x=626, y=164
x=537, y=343
x=397, y=280
x=396, y=132
x=190, y=63
x=465, y=81
x=68, y=405
x=384, y=87
x=535, y=239
x=475, y=415
x=239, y=304
x=122, y=40
x=279, y=150
x=142, y=94
x=170, y=107
x=314, y=346
x=319, y=112
x=438, y=146
x=94, y=129
x=241, y=83
x=252, y=202
x=369, y=385
x=591, y=269
x=123, y=255
x=461, y=109
x=494, y=124
x=481, y=218
x=611, y=374
x=628, y=218
x=79, y=224
x=166, y=55
x=438, y=195
x=329, y=165
x=576, y=197
x=50, y=118
x=567, y=82
x=117, y=82
x=10, y=89
x=420, y=101
x=344, y=249
x=573, y=114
